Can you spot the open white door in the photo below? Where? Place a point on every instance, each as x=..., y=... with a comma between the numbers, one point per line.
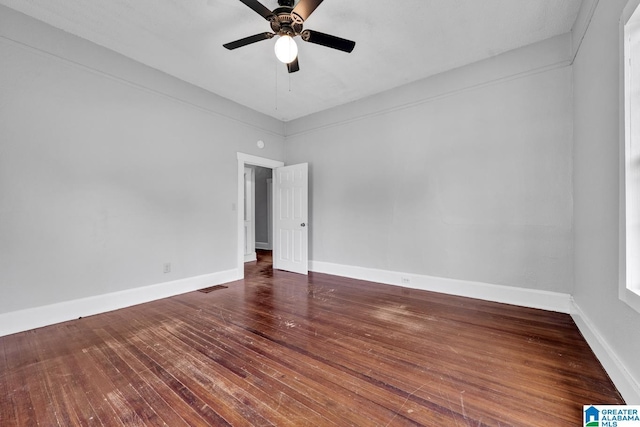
x=290, y=218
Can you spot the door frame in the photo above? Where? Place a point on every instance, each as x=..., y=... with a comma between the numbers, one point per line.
x=249, y=205
x=247, y=159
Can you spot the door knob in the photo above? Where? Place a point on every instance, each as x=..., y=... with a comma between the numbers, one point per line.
x=303, y=225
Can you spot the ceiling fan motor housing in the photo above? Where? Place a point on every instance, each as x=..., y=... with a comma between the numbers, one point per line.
x=283, y=24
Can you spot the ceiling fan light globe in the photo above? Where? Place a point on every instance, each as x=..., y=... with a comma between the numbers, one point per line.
x=286, y=49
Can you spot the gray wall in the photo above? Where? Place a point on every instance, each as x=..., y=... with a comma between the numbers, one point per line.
x=596, y=73
x=109, y=169
x=466, y=175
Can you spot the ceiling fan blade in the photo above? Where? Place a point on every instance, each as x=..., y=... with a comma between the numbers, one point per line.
x=293, y=66
x=303, y=9
x=248, y=40
x=328, y=40
x=260, y=9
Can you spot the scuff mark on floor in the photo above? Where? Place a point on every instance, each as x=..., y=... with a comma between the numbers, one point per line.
x=404, y=403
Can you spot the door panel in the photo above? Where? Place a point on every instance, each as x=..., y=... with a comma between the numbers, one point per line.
x=291, y=235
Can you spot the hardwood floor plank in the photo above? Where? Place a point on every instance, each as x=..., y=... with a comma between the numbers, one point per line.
x=144, y=399
x=40, y=385
x=264, y=358
x=17, y=365
x=8, y=408
x=281, y=349
x=279, y=357
x=170, y=399
x=238, y=372
x=352, y=355
x=292, y=357
x=68, y=369
x=207, y=379
x=274, y=397
x=316, y=361
x=201, y=390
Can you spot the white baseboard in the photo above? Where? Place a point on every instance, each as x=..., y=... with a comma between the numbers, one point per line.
x=264, y=246
x=552, y=301
x=37, y=317
x=628, y=386
x=250, y=257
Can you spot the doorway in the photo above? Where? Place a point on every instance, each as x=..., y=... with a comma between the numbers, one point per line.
x=258, y=227
x=245, y=160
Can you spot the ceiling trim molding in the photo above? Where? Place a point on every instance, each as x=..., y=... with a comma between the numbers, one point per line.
x=580, y=27
x=425, y=100
x=141, y=87
x=548, y=55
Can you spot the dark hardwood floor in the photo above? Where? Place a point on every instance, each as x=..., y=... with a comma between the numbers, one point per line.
x=289, y=350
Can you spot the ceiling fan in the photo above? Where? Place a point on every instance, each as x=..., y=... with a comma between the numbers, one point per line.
x=286, y=21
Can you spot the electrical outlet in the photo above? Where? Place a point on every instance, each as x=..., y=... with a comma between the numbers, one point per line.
x=405, y=280
x=166, y=268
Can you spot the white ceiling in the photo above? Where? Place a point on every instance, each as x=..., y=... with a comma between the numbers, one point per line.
x=397, y=42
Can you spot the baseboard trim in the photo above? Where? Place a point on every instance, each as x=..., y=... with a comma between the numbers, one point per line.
x=37, y=317
x=628, y=386
x=264, y=246
x=545, y=300
x=250, y=257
